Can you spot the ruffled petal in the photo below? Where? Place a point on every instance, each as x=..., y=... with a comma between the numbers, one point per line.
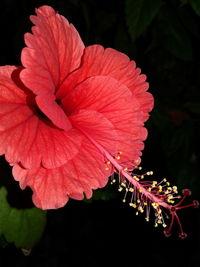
x=114, y=101
x=53, y=51
x=109, y=62
x=26, y=137
x=53, y=187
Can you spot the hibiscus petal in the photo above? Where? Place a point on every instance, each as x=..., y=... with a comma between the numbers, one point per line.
x=98, y=127
x=53, y=51
x=98, y=93
x=114, y=101
x=25, y=136
x=53, y=111
x=146, y=102
x=53, y=187
x=109, y=62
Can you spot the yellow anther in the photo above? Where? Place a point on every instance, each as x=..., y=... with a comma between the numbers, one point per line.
x=131, y=204
x=140, y=209
x=131, y=189
x=165, y=180
x=142, y=176
x=155, y=225
x=134, y=206
x=175, y=189
x=140, y=168
x=126, y=189
x=136, y=178
x=117, y=157
x=164, y=225
x=140, y=190
x=168, y=183
x=124, y=200
x=107, y=168
x=149, y=189
x=138, y=201
x=159, y=212
x=160, y=188
x=120, y=152
x=125, y=169
x=145, y=203
x=155, y=205
x=136, y=213
x=123, y=184
x=107, y=162
x=159, y=221
x=151, y=172
x=120, y=189
x=147, y=219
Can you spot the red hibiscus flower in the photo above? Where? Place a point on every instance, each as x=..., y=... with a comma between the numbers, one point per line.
x=65, y=96
x=72, y=116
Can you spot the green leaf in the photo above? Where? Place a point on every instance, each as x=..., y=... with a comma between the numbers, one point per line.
x=23, y=227
x=196, y=6
x=139, y=15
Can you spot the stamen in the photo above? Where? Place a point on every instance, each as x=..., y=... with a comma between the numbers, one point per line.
x=160, y=195
x=145, y=194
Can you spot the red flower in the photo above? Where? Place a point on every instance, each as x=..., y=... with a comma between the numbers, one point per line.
x=65, y=96
x=72, y=116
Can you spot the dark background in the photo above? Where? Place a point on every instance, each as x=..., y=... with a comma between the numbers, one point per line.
x=104, y=231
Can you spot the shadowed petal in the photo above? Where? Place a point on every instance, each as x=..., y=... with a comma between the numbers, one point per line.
x=53, y=51
x=25, y=136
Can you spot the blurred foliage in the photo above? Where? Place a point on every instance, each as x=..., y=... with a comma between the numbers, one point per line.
x=139, y=15
x=195, y=5
x=163, y=37
x=23, y=227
